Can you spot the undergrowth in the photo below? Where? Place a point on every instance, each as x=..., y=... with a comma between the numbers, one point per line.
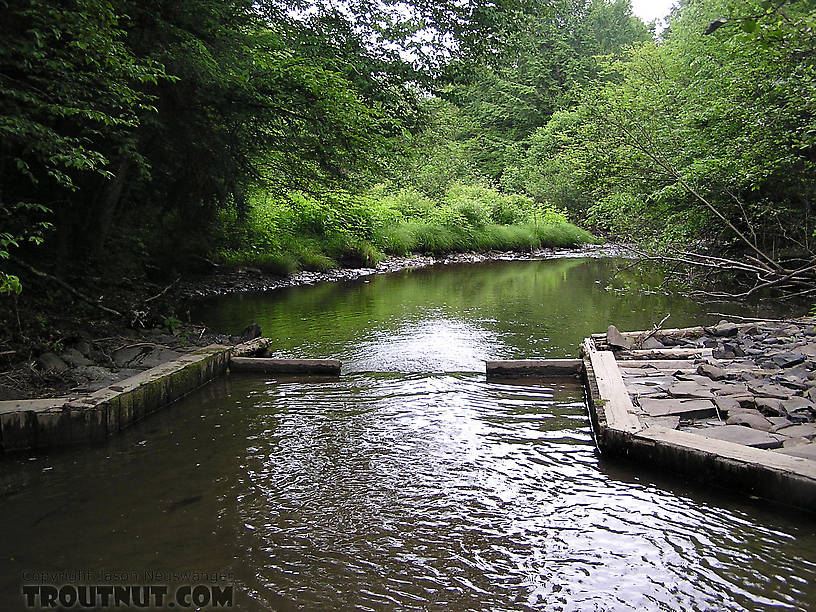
x=302, y=232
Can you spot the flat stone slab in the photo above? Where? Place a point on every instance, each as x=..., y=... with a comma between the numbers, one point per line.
x=750, y=418
x=669, y=422
x=687, y=408
x=741, y=435
x=534, y=367
x=805, y=430
x=690, y=389
x=645, y=390
x=305, y=367
x=806, y=451
x=769, y=390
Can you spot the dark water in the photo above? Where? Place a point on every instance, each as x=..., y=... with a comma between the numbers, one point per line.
x=418, y=490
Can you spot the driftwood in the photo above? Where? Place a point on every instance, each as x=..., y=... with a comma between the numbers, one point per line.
x=793, y=281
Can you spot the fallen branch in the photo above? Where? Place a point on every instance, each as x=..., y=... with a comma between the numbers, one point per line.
x=62, y=284
x=162, y=292
x=644, y=337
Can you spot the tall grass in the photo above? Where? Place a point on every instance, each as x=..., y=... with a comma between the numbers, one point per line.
x=303, y=233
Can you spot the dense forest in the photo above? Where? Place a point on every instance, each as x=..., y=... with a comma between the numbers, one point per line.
x=145, y=139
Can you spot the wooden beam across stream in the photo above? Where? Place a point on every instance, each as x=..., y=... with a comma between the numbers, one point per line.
x=299, y=367
x=523, y=368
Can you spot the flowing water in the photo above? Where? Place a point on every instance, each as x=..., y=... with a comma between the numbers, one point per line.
x=410, y=482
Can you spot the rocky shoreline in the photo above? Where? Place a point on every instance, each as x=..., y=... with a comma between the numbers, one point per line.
x=248, y=279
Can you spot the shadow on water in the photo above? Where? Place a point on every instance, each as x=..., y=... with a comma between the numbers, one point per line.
x=401, y=489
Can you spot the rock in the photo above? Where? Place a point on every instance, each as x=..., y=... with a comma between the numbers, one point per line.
x=799, y=372
x=690, y=390
x=726, y=389
x=251, y=332
x=724, y=329
x=779, y=422
x=751, y=419
x=83, y=346
x=808, y=350
x=764, y=389
x=690, y=408
x=796, y=403
x=670, y=422
x=788, y=360
x=124, y=356
x=727, y=404
x=616, y=339
x=157, y=357
x=807, y=430
x=651, y=343
x=73, y=357
x=735, y=349
x=791, y=382
x=711, y=371
x=94, y=373
x=51, y=363
x=742, y=435
x=144, y=357
x=806, y=451
x=770, y=406
x=791, y=442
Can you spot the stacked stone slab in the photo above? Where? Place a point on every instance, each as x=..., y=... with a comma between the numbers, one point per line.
x=753, y=384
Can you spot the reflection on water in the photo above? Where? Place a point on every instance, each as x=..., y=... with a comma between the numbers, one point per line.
x=453, y=318
x=386, y=491
x=407, y=490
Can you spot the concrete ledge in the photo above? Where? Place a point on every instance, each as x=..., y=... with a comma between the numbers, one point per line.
x=48, y=423
x=303, y=367
x=534, y=367
x=764, y=473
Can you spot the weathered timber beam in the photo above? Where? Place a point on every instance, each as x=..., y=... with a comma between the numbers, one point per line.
x=534, y=367
x=320, y=367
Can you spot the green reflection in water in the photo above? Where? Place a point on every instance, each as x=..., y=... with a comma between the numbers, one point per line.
x=453, y=317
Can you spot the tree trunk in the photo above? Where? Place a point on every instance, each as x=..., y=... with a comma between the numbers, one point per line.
x=106, y=208
x=240, y=200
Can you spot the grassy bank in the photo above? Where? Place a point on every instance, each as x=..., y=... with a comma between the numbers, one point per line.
x=302, y=232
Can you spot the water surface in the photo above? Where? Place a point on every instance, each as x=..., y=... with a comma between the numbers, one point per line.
x=420, y=486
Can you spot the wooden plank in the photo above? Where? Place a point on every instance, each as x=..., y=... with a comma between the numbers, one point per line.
x=679, y=332
x=534, y=367
x=322, y=367
x=617, y=407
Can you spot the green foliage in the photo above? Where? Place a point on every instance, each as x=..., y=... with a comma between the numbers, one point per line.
x=479, y=130
x=281, y=235
x=725, y=119
x=170, y=324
